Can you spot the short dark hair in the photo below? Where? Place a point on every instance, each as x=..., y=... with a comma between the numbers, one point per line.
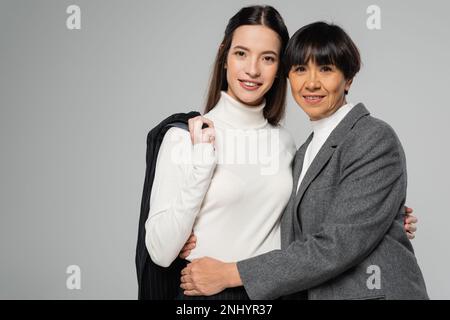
x=324, y=43
x=268, y=16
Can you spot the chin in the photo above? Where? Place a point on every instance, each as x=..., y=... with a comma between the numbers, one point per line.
x=251, y=99
x=312, y=113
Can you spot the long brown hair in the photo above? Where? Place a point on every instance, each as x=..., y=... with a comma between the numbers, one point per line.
x=275, y=107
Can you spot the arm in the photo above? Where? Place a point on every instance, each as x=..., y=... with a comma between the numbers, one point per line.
x=208, y=270
x=177, y=194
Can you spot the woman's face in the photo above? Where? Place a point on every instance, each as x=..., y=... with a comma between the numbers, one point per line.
x=318, y=90
x=252, y=63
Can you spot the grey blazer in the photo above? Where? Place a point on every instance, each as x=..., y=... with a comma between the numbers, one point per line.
x=342, y=234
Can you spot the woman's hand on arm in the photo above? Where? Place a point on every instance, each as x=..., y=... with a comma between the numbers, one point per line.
x=208, y=276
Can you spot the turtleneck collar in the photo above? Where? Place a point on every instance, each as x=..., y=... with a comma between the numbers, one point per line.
x=237, y=114
x=326, y=125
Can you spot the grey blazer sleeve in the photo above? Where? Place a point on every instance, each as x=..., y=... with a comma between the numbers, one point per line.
x=369, y=195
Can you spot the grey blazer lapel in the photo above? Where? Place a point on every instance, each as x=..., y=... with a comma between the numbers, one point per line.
x=328, y=148
x=289, y=226
x=298, y=162
x=314, y=169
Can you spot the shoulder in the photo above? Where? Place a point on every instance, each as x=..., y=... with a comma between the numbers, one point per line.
x=176, y=138
x=175, y=150
x=370, y=124
x=371, y=135
x=285, y=135
x=374, y=130
x=177, y=134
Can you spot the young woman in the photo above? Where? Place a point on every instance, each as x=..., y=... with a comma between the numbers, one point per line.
x=229, y=183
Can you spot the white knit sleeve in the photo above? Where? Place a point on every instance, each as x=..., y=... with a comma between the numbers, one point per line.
x=182, y=177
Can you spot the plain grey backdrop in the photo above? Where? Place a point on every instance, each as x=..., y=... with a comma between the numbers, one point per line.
x=76, y=106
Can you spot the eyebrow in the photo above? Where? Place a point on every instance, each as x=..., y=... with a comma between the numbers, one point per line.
x=247, y=49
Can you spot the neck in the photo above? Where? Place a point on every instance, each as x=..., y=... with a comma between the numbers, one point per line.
x=332, y=120
x=333, y=111
x=239, y=115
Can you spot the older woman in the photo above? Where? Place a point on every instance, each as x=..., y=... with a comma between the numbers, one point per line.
x=342, y=230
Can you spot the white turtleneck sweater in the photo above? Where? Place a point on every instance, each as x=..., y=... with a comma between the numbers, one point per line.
x=322, y=129
x=231, y=195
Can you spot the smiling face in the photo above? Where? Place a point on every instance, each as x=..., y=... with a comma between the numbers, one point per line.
x=252, y=63
x=318, y=89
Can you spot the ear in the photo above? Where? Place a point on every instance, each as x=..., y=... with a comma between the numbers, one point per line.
x=348, y=84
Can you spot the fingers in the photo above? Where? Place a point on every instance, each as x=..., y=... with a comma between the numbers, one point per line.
x=408, y=210
x=208, y=122
x=191, y=293
x=196, y=130
x=187, y=286
x=185, y=271
x=191, y=129
x=209, y=135
x=186, y=251
x=410, y=223
x=411, y=219
x=192, y=238
x=187, y=283
x=188, y=246
x=186, y=278
x=191, y=124
x=411, y=227
x=184, y=254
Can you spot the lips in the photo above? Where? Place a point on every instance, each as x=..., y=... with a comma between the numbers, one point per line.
x=250, y=84
x=313, y=99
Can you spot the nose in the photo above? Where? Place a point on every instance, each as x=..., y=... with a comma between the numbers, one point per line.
x=312, y=81
x=252, y=68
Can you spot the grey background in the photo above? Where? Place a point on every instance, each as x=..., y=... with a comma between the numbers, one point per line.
x=76, y=106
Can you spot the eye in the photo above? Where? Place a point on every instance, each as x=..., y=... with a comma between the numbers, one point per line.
x=270, y=59
x=240, y=53
x=299, y=68
x=326, y=68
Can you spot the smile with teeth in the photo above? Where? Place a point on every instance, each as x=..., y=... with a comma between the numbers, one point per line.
x=250, y=85
x=313, y=98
